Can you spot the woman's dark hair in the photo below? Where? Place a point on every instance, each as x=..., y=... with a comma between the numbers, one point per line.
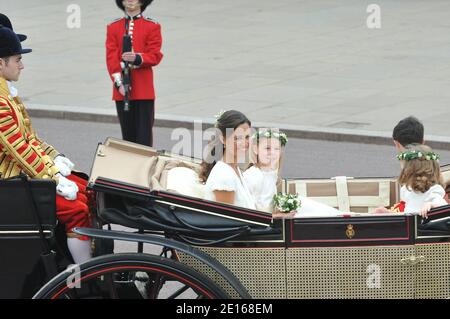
x=229, y=120
x=144, y=4
x=408, y=131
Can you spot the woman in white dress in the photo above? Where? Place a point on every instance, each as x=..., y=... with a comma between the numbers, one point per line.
x=220, y=169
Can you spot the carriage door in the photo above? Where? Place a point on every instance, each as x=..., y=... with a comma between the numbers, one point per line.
x=433, y=270
x=432, y=260
x=350, y=272
x=358, y=257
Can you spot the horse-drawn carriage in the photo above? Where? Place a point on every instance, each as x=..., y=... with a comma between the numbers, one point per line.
x=213, y=250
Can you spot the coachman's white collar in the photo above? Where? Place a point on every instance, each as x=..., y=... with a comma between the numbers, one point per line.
x=12, y=90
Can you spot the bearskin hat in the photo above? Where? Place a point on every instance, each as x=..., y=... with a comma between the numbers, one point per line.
x=144, y=4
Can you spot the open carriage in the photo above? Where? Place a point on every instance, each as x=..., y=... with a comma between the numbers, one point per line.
x=212, y=250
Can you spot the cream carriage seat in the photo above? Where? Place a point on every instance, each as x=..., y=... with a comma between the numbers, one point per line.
x=361, y=195
x=145, y=167
x=177, y=175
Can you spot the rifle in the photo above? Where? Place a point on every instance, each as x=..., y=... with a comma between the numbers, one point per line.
x=126, y=71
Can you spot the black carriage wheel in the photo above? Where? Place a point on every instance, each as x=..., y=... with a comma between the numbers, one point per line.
x=131, y=276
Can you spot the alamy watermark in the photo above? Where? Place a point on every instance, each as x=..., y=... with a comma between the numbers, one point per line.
x=74, y=279
x=74, y=16
x=373, y=21
x=212, y=144
x=374, y=279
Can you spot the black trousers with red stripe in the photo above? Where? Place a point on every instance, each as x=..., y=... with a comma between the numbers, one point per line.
x=137, y=123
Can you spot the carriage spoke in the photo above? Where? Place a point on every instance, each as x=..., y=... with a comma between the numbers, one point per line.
x=157, y=283
x=178, y=292
x=111, y=287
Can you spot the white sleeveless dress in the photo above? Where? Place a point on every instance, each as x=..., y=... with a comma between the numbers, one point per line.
x=224, y=178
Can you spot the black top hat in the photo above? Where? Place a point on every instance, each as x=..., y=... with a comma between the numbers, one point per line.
x=10, y=43
x=4, y=21
x=144, y=4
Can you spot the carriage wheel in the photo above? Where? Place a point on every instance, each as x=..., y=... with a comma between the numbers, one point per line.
x=135, y=276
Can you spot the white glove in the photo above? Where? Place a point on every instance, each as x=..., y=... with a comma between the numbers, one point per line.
x=64, y=165
x=66, y=188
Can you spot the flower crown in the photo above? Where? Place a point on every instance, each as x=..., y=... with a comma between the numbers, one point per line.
x=412, y=155
x=271, y=134
x=217, y=117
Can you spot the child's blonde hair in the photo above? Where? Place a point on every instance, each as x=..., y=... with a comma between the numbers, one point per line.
x=263, y=133
x=420, y=173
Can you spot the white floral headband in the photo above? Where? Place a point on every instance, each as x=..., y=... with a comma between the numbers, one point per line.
x=412, y=155
x=271, y=134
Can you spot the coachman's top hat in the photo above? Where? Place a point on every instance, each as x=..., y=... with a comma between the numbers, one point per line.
x=144, y=4
x=10, y=43
x=4, y=21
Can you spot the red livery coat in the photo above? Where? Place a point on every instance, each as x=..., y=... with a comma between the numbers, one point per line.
x=147, y=42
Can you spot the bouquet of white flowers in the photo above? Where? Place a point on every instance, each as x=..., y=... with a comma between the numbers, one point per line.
x=286, y=203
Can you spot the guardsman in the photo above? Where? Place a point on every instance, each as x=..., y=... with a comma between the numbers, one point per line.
x=136, y=123
x=21, y=151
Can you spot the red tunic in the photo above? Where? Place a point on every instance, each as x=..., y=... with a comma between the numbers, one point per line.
x=147, y=42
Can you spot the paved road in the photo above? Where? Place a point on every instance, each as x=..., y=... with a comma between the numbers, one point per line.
x=307, y=63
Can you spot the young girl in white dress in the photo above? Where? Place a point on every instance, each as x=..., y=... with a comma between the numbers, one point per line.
x=263, y=177
x=420, y=180
x=220, y=169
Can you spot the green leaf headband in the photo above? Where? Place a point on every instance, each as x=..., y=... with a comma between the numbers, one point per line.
x=271, y=134
x=412, y=155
